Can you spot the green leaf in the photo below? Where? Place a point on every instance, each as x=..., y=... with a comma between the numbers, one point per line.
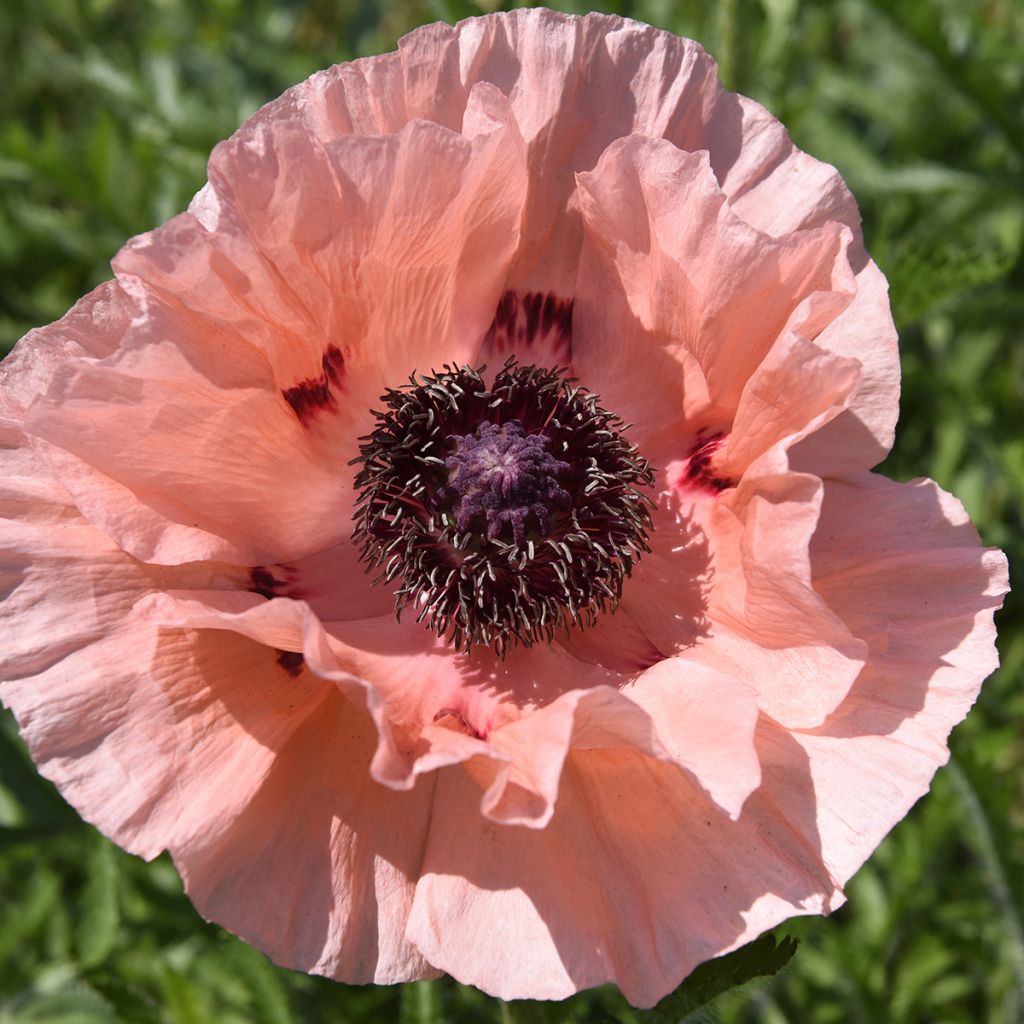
x=98, y=924
x=759, y=959
x=131, y=1002
x=42, y=804
x=76, y=1006
x=181, y=998
x=980, y=836
x=269, y=1001
x=37, y=898
x=421, y=1003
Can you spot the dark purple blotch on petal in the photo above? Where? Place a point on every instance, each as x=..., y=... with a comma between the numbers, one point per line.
x=314, y=395
x=263, y=582
x=292, y=662
x=700, y=473
x=533, y=320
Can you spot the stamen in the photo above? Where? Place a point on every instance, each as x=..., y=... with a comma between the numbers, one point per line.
x=507, y=513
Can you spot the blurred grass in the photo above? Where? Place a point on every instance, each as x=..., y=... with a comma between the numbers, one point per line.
x=108, y=112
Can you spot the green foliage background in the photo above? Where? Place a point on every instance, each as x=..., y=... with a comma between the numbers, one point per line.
x=107, y=113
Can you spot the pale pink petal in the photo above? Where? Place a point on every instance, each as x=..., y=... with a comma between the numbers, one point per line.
x=471, y=708
x=174, y=447
x=728, y=583
x=817, y=386
x=771, y=627
x=92, y=327
x=210, y=424
x=383, y=667
x=863, y=432
x=333, y=582
x=675, y=712
x=47, y=548
x=770, y=183
x=705, y=721
x=481, y=706
x=536, y=746
x=290, y=626
x=160, y=739
x=177, y=739
x=636, y=879
x=673, y=283
x=902, y=564
x=666, y=599
x=576, y=85
x=342, y=856
x=364, y=244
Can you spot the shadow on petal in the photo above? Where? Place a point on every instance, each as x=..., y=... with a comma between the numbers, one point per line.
x=318, y=870
x=901, y=564
x=637, y=878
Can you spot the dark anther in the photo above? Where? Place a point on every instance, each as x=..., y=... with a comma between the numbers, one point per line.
x=506, y=513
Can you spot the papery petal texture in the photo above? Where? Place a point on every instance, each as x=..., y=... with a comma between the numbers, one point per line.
x=198, y=659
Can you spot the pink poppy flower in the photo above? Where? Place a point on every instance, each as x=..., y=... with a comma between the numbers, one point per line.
x=654, y=688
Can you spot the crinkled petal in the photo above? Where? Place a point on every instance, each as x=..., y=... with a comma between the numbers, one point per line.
x=159, y=739
x=416, y=689
x=728, y=583
x=669, y=712
x=817, y=388
x=65, y=585
x=705, y=721
x=147, y=442
x=675, y=712
x=576, y=85
x=92, y=327
x=637, y=878
x=398, y=267
x=771, y=626
x=861, y=435
x=675, y=287
x=333, y=582
x=902, y=564
x=286, y=625
x=666, y=598
x=221, y=446
x=319, y=868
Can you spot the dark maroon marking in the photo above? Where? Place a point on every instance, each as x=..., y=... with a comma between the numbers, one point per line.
x=526, y=319
x=699, y=473
x=333, y=364
x=291, y=662
x=262, y=582
x=505, y=314
x=314, y=394
x=460, y=721
x=532, y=303
x=558, y=315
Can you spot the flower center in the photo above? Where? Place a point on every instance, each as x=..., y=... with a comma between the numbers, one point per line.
x=509, y=512
x=501, y=478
